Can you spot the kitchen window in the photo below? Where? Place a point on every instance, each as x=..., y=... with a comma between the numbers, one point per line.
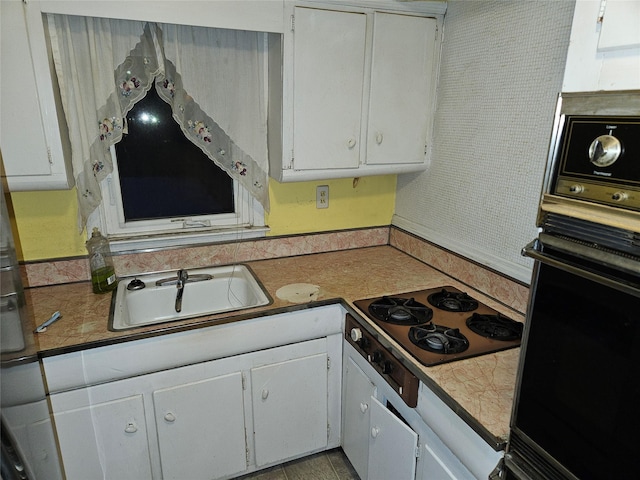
x=207, y=86
x=163, y=185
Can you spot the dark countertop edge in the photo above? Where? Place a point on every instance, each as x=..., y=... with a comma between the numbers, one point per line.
x=167, y=329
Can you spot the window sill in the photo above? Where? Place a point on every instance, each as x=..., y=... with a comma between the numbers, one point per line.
x=176, y=240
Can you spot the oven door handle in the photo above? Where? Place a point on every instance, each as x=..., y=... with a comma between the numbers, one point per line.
x=533, y=250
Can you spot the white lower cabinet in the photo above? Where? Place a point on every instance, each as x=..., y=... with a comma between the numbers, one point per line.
x=378, y=444
x=392, y=447
x=384, y=438
x=107, y=439
x=290, y=416
x=201, y=420
x=212, y=420
x=358, y=391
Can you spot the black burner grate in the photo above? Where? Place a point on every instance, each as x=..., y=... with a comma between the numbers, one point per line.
x=497, y=327
x=438, y=339
x=400, y=311
x=452, y=301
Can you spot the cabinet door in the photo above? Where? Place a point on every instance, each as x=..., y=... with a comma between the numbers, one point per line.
x=33, y=144
x=620, y=25
x=201, y=429
x=401, y=88
x=106, y=440
x=21, y=158
x=358, y=390
x=290, y=408
x=392, y=448
x=329, y=59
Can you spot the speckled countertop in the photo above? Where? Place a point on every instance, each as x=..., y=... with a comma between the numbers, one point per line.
x=480, y=389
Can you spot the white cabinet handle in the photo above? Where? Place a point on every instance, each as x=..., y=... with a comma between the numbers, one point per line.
x=379, y=138
x=351, y=142
x=364, y=407
x=169, y=417
x=375, y=431
x=265, y=394
x=131, y=428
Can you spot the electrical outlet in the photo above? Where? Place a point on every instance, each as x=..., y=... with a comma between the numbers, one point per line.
x=322, y=196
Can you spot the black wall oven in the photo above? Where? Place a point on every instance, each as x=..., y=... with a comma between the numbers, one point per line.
x=577, y=404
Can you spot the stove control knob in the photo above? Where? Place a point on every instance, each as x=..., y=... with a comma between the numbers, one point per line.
x=619, y=197
x=576, y=188
x=377, y=356
x=605, y=150
x=356, y=335
x=387, y=367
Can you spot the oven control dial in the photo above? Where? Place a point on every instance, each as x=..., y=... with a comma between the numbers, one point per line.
x=619, y=197
x=356, y=334
x=377, y=356
x=605, y=150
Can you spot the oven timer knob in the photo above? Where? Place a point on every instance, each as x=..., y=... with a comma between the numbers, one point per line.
x=356, y=335
x=605, y=150
x=619, y=197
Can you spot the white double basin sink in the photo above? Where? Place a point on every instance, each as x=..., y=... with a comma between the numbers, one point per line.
x=151, y=298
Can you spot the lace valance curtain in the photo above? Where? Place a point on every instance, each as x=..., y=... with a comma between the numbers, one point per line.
x=213, y=79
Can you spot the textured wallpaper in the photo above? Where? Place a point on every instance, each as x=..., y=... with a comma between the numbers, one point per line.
x=501, y=71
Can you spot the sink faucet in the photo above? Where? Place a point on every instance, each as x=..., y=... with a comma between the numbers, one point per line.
x=182, y=280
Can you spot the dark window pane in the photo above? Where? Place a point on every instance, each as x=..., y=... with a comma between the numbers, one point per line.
x=163, y=174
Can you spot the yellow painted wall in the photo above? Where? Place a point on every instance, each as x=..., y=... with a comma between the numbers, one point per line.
x=364, y=202
x=47, y=225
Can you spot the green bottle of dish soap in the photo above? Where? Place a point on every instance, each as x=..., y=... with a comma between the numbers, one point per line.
x=103, y=274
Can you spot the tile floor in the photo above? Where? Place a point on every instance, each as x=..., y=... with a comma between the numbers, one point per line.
x=330, y=465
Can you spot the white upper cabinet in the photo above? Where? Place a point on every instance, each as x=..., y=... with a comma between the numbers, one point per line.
x=620, y=25
x=604, y=49
x=358, y=87
x=33, y=138
x=328, y=67
x=401, y=86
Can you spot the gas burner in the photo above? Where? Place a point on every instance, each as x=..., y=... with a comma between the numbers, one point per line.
x=497, y=327
x=400, y=311
x=453, y=301
x=438, y=339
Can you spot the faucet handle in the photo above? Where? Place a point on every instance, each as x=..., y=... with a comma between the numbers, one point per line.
x=183, y=276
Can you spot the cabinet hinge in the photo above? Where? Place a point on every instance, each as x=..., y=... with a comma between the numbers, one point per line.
x=246, y=454
x=603, y=6
x=328, y=363
x=293, y=23
x=418, y=451
x=328, y=431
x=49, y=156
x=244, y=381
x=426, y=147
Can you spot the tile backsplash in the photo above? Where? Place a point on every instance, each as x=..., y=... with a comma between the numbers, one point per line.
x=505, y=290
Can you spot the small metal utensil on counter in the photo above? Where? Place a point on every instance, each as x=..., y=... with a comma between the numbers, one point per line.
x=44, y=326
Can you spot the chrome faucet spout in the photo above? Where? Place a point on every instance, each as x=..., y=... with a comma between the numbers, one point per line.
x=183, y=276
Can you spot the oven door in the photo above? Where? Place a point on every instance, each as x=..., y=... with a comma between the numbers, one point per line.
x=577, y=405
